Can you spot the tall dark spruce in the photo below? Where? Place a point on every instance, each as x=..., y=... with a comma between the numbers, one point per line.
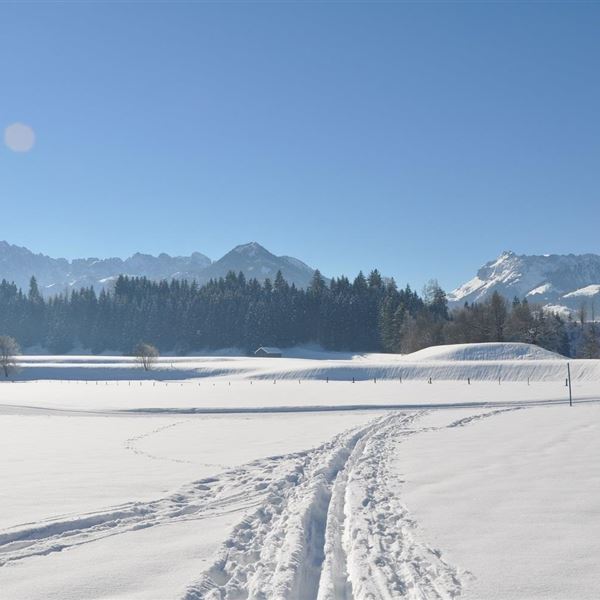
x=368, y=314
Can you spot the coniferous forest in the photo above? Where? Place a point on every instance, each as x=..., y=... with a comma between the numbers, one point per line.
x=368, y=314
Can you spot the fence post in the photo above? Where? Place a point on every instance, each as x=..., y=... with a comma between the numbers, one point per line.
x=569, y=379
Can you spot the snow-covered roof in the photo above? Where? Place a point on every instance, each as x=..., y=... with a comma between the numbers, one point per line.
x=269, y=350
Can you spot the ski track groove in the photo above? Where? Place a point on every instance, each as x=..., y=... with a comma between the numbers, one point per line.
x=340, y=532
x=237, y=489
x=322, y=524
x=131, y=444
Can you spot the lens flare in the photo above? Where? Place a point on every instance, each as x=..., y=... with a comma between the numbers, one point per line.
x=19, y=137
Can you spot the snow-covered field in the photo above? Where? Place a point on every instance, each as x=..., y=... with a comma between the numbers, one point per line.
x=227, y=477
x=486, y=362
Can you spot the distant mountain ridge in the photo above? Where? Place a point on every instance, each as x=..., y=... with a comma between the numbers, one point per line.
x=54, y=275
x=255, y=261
x=561, y=282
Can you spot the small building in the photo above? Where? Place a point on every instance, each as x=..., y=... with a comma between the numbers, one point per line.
x=268, y=351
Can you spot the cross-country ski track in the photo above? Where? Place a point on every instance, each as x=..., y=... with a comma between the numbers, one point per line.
x=319, y=524
x=458, y=471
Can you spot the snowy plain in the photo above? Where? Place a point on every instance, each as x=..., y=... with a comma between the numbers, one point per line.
x=233, y=477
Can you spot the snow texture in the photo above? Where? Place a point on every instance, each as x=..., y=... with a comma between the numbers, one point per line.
x=489, y=361
x=302, y=488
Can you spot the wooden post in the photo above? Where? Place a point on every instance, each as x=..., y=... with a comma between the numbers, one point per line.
x=569, y=379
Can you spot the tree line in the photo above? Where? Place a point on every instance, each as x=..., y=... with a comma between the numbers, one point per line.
x=367, y=314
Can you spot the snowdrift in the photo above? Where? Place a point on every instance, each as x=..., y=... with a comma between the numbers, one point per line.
x=507, y=361
x=493, y=361
x=487, y=351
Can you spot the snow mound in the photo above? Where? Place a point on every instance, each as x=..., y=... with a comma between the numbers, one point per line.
x=487, y=351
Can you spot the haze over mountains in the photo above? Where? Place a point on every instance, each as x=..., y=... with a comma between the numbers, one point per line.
x=54, y=275
x=560, y=282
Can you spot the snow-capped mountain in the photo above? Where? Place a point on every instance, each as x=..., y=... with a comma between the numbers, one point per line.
x=561, y=282
x=54, y=275
x=255, y=261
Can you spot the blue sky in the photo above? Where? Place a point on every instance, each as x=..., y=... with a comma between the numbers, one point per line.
x=419, y=138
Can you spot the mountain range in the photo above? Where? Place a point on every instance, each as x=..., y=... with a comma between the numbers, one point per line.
x=560, y=282
x=54, y=275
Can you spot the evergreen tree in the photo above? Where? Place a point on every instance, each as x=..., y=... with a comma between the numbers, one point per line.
x=367, y=314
